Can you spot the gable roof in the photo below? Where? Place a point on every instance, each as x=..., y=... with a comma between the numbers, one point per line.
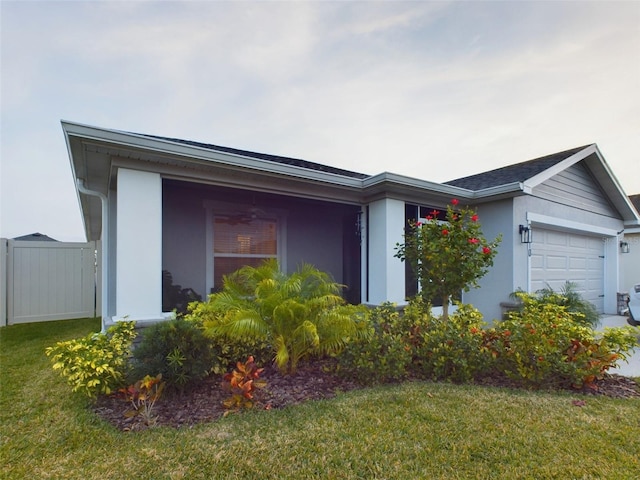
x=96, y=154
x=519, y=172
x=262, y=156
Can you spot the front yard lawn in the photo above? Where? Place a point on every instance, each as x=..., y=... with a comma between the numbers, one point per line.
x=404, y=431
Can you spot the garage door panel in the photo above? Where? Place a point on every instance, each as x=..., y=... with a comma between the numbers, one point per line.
x=576, y=263
x=558, y=257
x=555, y=262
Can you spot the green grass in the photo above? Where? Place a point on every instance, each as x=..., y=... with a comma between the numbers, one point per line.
x=408, y=431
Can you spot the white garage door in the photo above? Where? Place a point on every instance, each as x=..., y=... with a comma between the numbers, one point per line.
x=557, y=257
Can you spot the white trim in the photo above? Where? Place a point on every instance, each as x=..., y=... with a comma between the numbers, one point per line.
x=165, y=146
x=560, y=166
x=568, y=225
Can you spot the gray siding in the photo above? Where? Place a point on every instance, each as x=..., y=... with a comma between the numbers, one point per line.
x=576, y=187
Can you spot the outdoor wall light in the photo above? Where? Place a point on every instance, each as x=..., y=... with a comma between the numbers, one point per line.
x=525, y=234
x=624, y=247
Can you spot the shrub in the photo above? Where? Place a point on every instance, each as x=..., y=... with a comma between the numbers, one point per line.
x=142, y=396
x=301, y=314
x=226, y=349
x=176, y=349
x=96, y=364
x=583, y=311
x=382, y=355
x=542, y=345
x=450, y=348
x=242, y=383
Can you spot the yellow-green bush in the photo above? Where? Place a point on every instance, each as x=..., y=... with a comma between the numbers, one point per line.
x=96, y=364
x=543, y=345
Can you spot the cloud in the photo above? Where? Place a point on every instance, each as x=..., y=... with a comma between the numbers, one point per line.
x=408, y=87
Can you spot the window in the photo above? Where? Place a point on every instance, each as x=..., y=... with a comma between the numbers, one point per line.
x=239, y=241
x=239, y=235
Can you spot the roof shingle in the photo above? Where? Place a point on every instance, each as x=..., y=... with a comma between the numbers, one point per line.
x=518, y=172
x=263, y=156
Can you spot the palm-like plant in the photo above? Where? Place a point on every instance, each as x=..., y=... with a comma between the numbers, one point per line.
x=300, y=314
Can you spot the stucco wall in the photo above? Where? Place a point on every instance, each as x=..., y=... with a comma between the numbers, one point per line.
x=630, y=263
x=496, y=219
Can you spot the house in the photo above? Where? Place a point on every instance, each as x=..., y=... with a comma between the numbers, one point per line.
x=35, y=237
x=200, y=211
x=630, y=245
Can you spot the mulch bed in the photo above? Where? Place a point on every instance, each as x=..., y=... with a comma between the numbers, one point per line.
x=203, y=403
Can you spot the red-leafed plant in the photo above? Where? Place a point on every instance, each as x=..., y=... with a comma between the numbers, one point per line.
x=242, y=383
x=142, y=396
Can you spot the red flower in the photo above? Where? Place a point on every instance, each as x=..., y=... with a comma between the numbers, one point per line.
x=418, y=224
x=486, y=250
x=445, y=232
x=474, y=218
x=473, y=240
x=454, y=201
x=435, y=213
x=429, y=217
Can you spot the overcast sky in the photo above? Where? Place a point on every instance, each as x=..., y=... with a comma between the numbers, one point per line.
x=434, y=90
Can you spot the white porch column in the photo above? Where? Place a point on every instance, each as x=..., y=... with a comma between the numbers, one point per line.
x=139, y=246
x=386, y=272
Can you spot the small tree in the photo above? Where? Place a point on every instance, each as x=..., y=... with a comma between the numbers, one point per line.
x=447, y=256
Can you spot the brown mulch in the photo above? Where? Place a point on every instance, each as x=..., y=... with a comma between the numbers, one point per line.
x=203, y=403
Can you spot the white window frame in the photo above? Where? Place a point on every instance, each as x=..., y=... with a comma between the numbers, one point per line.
x=217, y=208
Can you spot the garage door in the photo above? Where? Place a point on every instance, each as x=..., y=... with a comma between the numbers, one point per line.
x=557, y=257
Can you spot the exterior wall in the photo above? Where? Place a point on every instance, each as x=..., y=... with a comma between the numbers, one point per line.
x=313, y=232
x=496, y=219
x=630, y=263
x=385, y=272
x=139, y=249
x=575, y=187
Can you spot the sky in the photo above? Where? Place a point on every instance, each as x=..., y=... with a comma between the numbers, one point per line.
x=432, y=90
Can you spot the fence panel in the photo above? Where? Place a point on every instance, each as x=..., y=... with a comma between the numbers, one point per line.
x=50, y=281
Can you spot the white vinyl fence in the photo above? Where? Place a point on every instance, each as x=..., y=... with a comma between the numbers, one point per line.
x=46, y=281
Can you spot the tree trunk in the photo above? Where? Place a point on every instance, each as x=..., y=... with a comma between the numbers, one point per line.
x=445, y=307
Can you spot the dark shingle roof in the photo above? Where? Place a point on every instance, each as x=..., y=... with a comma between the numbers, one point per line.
x=36, y=237
x=263, y=156
x=512, y=173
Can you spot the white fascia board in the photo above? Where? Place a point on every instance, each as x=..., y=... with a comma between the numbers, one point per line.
x=132, y=140
x=387, y=177
x=626, y=202
x=75, y=178
x=560, y=166
x=508, y=188
x=563, y=224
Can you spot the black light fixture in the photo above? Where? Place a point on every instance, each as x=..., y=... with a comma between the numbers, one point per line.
x=525, y=234
x=624, y=247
